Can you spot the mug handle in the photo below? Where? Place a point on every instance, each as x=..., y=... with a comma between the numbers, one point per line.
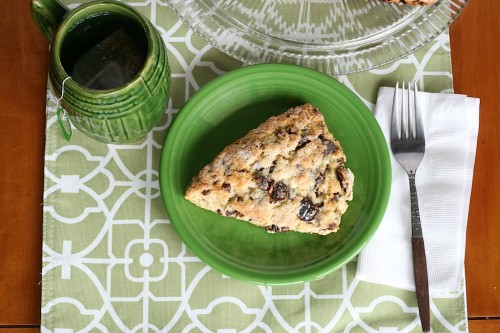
x=47, y=15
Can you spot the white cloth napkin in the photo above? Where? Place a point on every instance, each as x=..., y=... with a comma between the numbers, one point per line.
x=443, y=181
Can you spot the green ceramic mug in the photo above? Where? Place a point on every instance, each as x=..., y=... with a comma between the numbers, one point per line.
x=133, y=91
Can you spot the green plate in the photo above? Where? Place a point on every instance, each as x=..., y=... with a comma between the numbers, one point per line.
x=225, y=110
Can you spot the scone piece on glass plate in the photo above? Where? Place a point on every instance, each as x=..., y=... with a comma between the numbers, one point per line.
x=412, y=2
x=288, y=174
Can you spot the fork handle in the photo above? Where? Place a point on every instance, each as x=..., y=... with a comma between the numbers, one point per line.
x=421, y=282
x=419, y=258
x=416, y=226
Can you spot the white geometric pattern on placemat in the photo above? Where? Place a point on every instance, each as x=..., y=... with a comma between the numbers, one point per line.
x=113, y=263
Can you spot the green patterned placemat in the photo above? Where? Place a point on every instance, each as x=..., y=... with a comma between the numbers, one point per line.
x=113, y=263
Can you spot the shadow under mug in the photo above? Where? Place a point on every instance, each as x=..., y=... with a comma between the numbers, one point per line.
x=120, y=114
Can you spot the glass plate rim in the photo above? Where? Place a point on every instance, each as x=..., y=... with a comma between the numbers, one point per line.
x=438, y=18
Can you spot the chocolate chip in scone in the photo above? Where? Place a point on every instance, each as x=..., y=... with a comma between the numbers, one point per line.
x=272, y=228
x=340, y=177
x=336, y=196
x=263, y=182
x=320, y=179
x=302, y=143
x=307, y=211
x=330, y=148
x=226, y=187
x=317, y=182
x=280, y=192
x=234, y=212
x=206, y=192
x=329, y=145
x=272, y=167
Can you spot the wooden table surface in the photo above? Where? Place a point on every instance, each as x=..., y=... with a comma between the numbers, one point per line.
x=23, y=76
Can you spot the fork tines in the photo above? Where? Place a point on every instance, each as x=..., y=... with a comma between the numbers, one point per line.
x=408, y=121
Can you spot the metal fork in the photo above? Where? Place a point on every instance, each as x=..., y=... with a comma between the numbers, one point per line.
x=408, y=147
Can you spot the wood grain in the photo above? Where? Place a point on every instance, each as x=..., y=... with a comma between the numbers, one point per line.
x=475, y=51
x=23, y=68
x=483, y=326
x=19, y=329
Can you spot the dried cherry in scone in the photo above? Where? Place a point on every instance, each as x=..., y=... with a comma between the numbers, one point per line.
x=332, y=226
x=263, y=182
x=226, y=187
x=280, y=192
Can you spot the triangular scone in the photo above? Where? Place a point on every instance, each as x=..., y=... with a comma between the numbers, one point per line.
x=288, y=174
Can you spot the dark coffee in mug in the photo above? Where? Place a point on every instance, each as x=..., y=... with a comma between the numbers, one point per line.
x=104, y=51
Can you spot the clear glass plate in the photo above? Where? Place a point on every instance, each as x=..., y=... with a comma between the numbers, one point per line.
x=333, y=36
